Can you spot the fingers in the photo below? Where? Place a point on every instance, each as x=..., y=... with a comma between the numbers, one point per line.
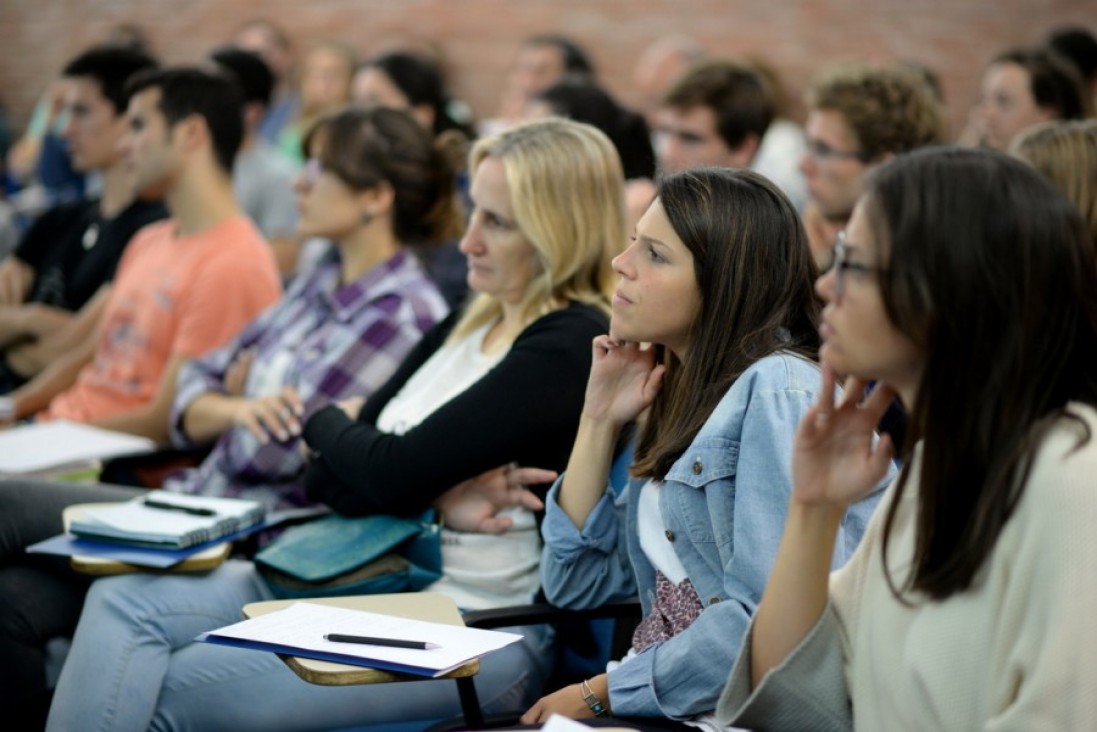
x=530, y=476
x=292, y=400
x=272, y=417
x=495, y=525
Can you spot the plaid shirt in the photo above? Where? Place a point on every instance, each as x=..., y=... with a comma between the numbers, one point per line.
x=326, y=341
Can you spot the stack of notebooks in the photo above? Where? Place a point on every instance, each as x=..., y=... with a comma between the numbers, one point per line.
x=168, y=520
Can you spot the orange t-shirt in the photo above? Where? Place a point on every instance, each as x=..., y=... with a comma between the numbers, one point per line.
x=173, y=296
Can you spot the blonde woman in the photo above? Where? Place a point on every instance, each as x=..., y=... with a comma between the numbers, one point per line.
x=1066, y=154
x=500, y=382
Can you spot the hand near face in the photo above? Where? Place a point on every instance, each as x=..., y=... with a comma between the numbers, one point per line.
x=275, y=417
x=836, y=457
x=624, y=380
x=472, y=505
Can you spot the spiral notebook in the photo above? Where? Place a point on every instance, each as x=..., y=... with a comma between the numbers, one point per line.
x=169, y=520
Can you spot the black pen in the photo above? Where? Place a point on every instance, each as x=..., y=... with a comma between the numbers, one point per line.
x=192, y=510
x=388, y=642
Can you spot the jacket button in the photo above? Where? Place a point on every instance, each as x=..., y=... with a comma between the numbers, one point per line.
x=669, y=534
x=697, y=467
x=713, y=600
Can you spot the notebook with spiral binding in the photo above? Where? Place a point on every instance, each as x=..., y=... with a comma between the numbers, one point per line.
x=169, y=520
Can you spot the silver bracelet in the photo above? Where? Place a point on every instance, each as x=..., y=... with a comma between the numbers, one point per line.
x=593, y=701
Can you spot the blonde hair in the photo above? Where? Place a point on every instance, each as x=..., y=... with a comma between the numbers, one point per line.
x=567, y=192
x=1066, y=154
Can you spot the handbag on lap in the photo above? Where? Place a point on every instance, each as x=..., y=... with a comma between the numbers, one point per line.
x=336, y=556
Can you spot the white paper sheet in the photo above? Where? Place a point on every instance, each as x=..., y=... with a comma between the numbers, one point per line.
x=304, y=625
x=37, y=447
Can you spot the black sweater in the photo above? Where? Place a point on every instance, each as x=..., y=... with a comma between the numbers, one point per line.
x=525, y=410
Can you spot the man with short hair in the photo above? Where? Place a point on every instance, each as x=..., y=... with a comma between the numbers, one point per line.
x=262, y=178
x=721, y=113
x=68, y=256
x=858, y=118
x=185, y=285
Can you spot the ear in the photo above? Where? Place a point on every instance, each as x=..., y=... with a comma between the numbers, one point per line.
x=377, y=200
x=191, y=133
x=253, y=115
x=743, y=156
x=424, y=115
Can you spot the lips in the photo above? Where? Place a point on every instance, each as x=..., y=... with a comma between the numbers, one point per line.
x=619, y=299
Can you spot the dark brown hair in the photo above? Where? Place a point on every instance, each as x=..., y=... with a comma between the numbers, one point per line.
x=366, y=147
x=992, y=276
x=755, y=277
x=738, y=94
x=1055, y=83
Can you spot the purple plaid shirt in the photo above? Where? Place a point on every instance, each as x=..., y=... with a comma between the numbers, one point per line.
x=326, y=341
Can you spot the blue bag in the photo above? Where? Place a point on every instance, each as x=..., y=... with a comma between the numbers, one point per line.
x=336, y=556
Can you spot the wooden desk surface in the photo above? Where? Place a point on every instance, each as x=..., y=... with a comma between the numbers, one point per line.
x=430, y=606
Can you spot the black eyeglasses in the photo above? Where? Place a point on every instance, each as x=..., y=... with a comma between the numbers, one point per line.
x=823, y=151
x=843, y=266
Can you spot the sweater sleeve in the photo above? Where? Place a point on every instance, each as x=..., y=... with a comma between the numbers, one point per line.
x=526, y=409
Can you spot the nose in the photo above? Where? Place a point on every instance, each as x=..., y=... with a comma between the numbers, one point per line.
x=807, y=163
x=300, y=184
x=622, y=263
x=66, y=131
x=471, y=243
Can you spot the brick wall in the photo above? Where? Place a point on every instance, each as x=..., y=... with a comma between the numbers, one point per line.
x=478, y=38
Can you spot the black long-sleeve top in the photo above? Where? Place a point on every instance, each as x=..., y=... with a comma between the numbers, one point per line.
x=525, y=410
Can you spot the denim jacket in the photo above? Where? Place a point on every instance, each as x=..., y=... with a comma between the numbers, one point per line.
x=724, y=503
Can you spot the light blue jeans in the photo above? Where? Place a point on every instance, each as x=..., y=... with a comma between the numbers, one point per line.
x=133, y=666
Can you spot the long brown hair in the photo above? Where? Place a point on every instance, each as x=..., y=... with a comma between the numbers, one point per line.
x=992, y=276
x=755, y=277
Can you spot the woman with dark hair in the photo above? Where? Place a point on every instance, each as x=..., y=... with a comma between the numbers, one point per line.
x=1026, y=86
x=718, y=278
x=967, y=286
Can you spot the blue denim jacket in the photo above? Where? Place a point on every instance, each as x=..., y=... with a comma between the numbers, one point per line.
x=724, y=503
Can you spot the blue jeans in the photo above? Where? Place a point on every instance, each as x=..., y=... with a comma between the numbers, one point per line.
x=133, y=666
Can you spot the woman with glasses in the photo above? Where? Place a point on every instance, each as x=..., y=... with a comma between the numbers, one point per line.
x=968, y=287
x=497, y=383
x=719, y=279
x=376, y=183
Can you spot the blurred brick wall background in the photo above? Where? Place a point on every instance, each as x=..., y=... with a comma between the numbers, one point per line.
x=478, y=38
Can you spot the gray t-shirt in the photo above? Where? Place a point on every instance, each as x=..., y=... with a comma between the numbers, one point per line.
x=263, y=182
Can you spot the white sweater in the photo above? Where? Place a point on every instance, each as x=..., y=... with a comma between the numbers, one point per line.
x=1017, y=651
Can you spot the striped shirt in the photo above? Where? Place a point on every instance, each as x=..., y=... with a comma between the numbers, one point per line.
x=328, y=342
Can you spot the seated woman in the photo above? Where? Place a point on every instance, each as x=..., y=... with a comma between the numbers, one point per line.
x=719, y=278
x=374, y=182
x=967, y=286
x=1065, y=152
x=501, y=382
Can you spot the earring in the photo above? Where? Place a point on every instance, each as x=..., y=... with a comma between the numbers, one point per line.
x=367, y=218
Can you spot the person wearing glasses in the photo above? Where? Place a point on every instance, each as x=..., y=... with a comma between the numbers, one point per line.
x=719, y=280
x=968, y=287
x=858, y=117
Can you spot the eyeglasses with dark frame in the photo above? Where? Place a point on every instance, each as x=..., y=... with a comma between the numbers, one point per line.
x=842, y=266
x=822, y=151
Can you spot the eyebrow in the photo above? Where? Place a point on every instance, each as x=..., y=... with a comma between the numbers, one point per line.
x=648, y=240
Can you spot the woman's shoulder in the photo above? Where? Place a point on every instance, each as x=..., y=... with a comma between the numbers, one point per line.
x=781, y=371
x=1065, y=463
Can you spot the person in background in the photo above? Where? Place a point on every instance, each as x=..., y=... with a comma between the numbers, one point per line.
x=990, y=516
x=262, y=179
x=412, y=81
x=581, y=99
x=179, y=291
x=859, y=117
x=266, y=38
x=1025, y=86
x=1079, y=46
x=542, y=60
x=470, y=399
x=718, y=280
x=54, y=286
x=339, y=333
x=324, y=86
x=1066, y=154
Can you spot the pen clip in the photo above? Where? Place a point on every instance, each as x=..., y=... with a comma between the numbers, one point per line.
x=166, y=506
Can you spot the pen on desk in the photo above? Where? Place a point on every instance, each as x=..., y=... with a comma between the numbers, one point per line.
x=192, y=510
x=388, y=642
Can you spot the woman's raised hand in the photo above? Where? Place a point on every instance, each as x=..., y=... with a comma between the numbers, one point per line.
x=837, y=458
x=624, y=380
